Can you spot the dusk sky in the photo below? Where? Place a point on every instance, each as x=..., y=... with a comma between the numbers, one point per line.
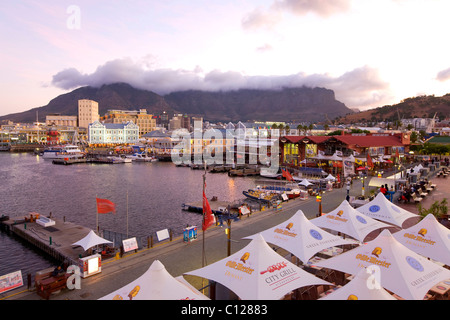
x=370, y=52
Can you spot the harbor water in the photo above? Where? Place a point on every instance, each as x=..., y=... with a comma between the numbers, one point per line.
x=148, y=198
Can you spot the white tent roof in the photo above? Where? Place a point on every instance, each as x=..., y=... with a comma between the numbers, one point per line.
x=428, y=238
x=305, y=183
x=382, y=209
x=330, y=177
x=400, y=269
x=348, y=220
x=156, y=284
x=258, y=273
x=301, y=237
x=364, y=286
x=90, y=240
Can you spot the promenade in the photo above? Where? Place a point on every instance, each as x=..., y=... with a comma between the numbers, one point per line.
x=179, y=257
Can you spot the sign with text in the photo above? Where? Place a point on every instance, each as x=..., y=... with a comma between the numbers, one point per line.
x=11, y=281
x=129, y=244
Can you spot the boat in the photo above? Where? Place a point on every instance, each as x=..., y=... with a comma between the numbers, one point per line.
x=118, y=159
x=141, y=157
x=63, y=152
x=260, y=195
x=270, y=173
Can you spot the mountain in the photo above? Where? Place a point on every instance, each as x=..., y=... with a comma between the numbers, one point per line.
x=287, y=104
x=415, y=107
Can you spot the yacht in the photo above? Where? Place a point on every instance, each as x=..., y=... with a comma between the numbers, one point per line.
x=62, y=152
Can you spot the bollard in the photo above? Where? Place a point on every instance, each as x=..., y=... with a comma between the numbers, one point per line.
x=50, y=240
x=29, y=280
x=170, y=235
x=25, y=226
x=151, y=241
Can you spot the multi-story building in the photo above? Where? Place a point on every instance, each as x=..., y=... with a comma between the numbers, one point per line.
x=87, y=112
x=146, y=122
x=113, y=133
x=56, y=119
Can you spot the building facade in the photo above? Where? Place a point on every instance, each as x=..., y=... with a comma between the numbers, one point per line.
x=113, y=133
x=146, y=122
x=56, y=119
x=87, y=112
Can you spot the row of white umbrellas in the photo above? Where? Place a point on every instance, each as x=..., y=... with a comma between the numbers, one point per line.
x=397, y=262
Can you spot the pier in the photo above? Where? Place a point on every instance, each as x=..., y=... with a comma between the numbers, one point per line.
x=55, y=240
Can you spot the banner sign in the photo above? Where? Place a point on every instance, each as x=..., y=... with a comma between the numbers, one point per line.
x=11, y=281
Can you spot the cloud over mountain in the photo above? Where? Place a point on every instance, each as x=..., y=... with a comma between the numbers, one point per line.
x=357, y=88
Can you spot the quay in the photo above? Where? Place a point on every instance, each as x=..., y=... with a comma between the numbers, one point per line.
x=55, y=240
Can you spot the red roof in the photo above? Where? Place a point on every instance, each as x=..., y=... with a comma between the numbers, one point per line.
x=371, y=141
x=361, y=141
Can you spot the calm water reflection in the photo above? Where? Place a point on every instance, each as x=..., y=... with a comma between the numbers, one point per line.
x=155, y=191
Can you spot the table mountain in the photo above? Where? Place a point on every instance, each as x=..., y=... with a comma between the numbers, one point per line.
x=287, y=104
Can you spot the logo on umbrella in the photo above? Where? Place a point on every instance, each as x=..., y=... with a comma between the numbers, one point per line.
x=374, y=208
x=289, y=226
x=245, y=257
x=352, y=297
x=377, y=251
x=361, y=219
x=414, y=263
x=422, y=232
x=315, y=234
x=340, y=213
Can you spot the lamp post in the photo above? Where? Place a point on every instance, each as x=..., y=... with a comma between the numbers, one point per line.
x=319, y=200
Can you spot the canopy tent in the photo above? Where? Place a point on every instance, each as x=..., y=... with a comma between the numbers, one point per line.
x=382, y=209
x=156, y=284
x=330, y=177
x=305, y=183
x=399, y=269
x=256, y=272
x=348, y=220
x=428, y=238
x=364, y=286
x=91, y=240
x=300, y=237
x=350, y=158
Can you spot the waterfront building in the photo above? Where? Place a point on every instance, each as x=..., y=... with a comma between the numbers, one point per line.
x=113, y=133
x=295, y=149
x=56, y=119
x=87, y=112
x=146, y=122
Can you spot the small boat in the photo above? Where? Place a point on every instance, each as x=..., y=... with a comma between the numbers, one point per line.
x=141, y=157
x=116, y=159
x=261, y=195
x=270, y=173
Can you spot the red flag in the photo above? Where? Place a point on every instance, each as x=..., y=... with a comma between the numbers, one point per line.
x=369, y=162
x=396, y=153
x=105, y=206
x=208, y=216
x=287, y=175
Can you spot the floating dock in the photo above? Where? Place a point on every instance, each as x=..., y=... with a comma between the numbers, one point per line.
x=217, y=207
x=55, y=240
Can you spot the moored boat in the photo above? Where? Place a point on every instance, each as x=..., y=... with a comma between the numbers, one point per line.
x=63, y=152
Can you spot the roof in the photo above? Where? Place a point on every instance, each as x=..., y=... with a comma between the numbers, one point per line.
x=156, y=134
x=359, y=140
x=440, y=139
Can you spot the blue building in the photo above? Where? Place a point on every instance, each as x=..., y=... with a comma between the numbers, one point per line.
x=113, y=133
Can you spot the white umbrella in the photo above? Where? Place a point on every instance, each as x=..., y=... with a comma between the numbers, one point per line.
x=399, y=269
x=91, y=240
x=348, y=220
x=258, y=273
x=305, y=183
x=428, y=238
x=156, y=284
x=364, y=286
x=382, y=209
x=301, y=237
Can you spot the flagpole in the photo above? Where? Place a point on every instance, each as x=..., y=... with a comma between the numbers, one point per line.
x=97, y=212
x=203, y=222
x=127, y=213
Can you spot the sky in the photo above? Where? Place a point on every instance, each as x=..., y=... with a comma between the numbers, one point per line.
x=371, y=53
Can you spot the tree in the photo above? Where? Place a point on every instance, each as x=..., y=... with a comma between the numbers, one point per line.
x=438, y=209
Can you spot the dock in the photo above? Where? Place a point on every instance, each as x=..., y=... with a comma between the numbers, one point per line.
x=55, y=240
